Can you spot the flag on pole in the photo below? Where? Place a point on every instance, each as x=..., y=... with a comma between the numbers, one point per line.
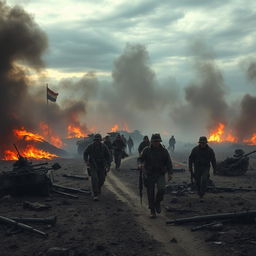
x=51, y=95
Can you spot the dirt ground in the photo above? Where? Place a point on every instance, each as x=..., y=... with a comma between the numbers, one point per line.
x=119, y=225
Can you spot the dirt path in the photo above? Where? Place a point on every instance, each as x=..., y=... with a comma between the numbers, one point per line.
x=187, y=243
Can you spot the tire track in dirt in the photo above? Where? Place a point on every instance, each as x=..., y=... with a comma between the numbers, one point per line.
x=187, y=243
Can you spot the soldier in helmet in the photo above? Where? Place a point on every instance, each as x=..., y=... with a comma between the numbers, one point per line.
x=130, y=144
x=172, y=143
x=157, y=162
x=200, y=159
x=119, y=150
x=97, y=157
x=143, y=144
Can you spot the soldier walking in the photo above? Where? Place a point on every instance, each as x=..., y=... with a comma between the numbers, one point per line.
x=130, y=144
x=156, y=162
x=97, y=157
x=118, y=147
x=143, y=144
x=172, y=143
x=200, y=158
x=108, y=143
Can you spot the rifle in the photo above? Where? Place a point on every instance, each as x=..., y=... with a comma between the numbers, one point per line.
x=140, y=182
x=192, y=176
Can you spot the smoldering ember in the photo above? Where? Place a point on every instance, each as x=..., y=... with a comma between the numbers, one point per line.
x=127, y=128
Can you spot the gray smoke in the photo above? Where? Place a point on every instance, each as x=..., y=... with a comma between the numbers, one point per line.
x=22, y=44
x=205, y=103
x=135, y=97
x=245, y=124
x=251, y=71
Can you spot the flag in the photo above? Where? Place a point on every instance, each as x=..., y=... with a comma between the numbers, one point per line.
x=51, y=95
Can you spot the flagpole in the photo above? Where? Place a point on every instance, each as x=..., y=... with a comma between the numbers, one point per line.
x=47, y=117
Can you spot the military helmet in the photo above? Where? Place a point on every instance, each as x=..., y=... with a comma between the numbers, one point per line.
x=238, y=153
x=203, y=139
x=156, y=137
x=145, y=138
x=97, y=137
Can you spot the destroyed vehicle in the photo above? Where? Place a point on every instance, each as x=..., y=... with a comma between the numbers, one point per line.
x=83, y=144
x=27, y=178
x=234, y=166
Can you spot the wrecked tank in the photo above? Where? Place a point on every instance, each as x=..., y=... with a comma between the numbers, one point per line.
x=26, y=178
x=234, y=166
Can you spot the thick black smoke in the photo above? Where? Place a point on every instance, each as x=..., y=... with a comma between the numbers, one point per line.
x=22, y=44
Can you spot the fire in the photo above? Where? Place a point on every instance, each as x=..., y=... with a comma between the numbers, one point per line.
x=28, y=149
x=9, y=155
x=75, y=132
x=115, y=128
x=219, y=135
x=27, y=136
x=30, y=152
x=53, y=138
x=251, y=141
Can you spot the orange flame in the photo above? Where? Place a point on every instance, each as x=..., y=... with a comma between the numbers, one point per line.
x=219, y=135
x=30, y=152
x=115, y=128
x=54, y=139
x=27, y=136
x=9, y=155
x=75, y=132
x=251, y=141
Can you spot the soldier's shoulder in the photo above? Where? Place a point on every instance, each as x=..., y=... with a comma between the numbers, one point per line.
x=146, y=149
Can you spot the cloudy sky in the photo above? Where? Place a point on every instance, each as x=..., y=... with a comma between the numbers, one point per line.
x=89, y=35
x=86, y=35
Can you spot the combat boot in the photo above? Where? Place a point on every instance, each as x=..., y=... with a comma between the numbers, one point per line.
x=158, y=207
x=152, y=214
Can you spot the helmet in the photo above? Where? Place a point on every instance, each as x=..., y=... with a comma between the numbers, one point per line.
x=156, y=137
x=203, y=139
x=97, y=137
x=238, y=153
x=145, y=138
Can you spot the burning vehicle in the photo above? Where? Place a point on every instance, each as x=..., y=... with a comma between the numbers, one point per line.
x=27, y=178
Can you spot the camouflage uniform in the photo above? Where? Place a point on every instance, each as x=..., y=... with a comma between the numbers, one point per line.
x=98, y=157
x=200, y=158
x=118, y=147
x=157, y=162
x=143, y=144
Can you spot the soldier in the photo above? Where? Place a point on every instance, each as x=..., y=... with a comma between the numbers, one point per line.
x=201, y=156
x=130, y=144
x=143, y=144
x=97, y=157
x=118, y=147
x=108, y=143
x=157, y=162
x=172, y=143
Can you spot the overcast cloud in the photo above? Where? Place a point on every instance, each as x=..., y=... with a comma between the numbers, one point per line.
x=90, y=36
